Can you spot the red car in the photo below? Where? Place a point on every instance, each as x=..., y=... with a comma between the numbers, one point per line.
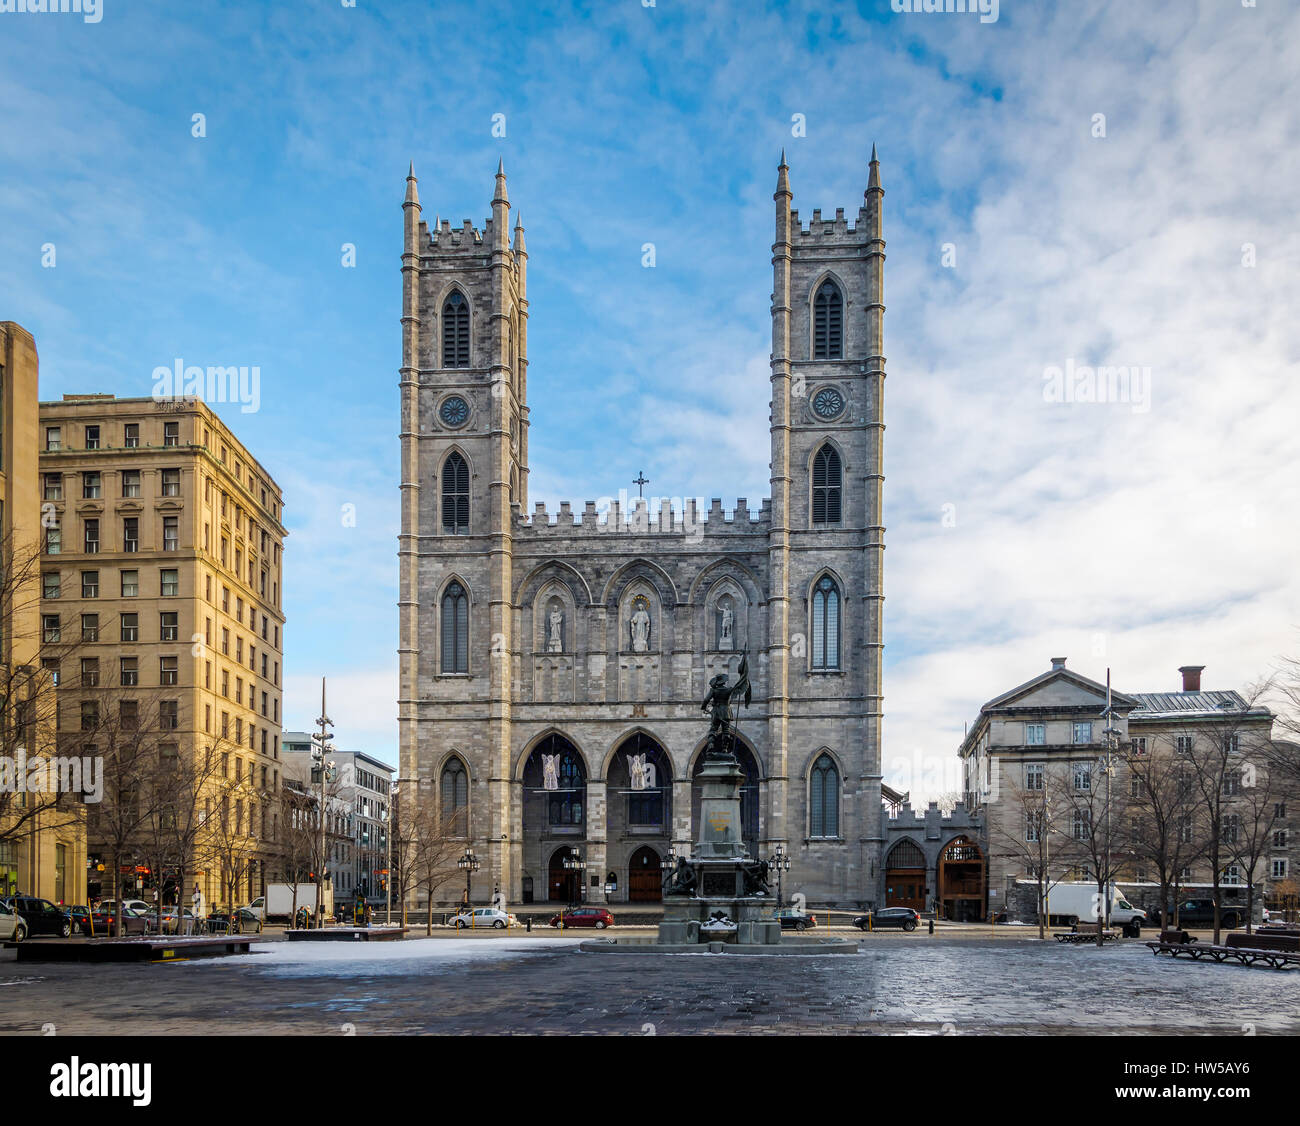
x=596, y=917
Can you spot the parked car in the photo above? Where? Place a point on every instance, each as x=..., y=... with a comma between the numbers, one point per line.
x=40, y=916
x=258, y=907
x=1200, y=913
x=12, y=927
x=191, y=924
x=903, y=917
x=792, y=919
x=135, y=906
x=245, y=922
x=78, y=917
x=482, y=917
x=596, y=917
x=104, y=921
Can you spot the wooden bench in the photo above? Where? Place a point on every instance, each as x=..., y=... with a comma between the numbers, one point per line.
x=1176, y=936
x=1280, y=951
x=1086, y=932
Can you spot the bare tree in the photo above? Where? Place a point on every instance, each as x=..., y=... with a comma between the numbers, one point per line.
x=433, y=846
x=1249, y=828
x=1032, y=814
x=298, y=836
x=1170, y=834
x=1094, y=806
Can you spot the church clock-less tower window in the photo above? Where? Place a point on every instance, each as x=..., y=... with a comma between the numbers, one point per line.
x=455, y=495
x=827, y=482
x=826, y=624
x=828, y=323
x=455, y=331
x=455, y=630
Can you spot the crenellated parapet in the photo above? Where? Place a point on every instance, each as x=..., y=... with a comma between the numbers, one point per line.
x=673, y=518
x=820, y=229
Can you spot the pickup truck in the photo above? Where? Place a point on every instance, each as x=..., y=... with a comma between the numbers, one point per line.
x=1199, y=913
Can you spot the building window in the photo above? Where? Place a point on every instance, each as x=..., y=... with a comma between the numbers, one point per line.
x=1083, y=732
x=171, y=482
x=1279, y=838
x=90, y=486
x=453, y=787
x=131, y=534
x=826, y=625
x=169, y=715
x=130, y=584
x=1277, y=869
x=53, y=486
x=91, y=542
x=89, y=715
x=53, y=541
x=131, y=483
x=130, y=627
x=1033, y=825
x=824, y=799
x=131, y=435
x=129, y=711
x=1035, y=734
x=170, y=583
x=455, y=495
x=1183, y=745
x=827, y=480
x=54, y=438
x=171, y=533
x=89, y=672
x=89, y=627
x=51, y=585
x=455, y=331
x=92, y=437
x=1081, y=825
x=1140, y=746
x=1083, y=776
x=455, y=630
x=171, y=433
x=1033, y=776
x=1231, y=783
x=1231, y=828
x=1232, y=875
x=828, y=323
x=168, y=626
x=130, y=672
x=89, y=584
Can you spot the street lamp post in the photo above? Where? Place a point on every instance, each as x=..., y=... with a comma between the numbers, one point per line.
x=575, y=864
x=469, y=864
x=1107, y=762
x=779, y=862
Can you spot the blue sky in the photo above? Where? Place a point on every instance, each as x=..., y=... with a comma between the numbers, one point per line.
x=1018, y=528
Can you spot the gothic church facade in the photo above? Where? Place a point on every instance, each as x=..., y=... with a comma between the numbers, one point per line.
x=552, y=665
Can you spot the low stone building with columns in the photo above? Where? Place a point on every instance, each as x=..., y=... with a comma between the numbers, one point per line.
x=553, y=664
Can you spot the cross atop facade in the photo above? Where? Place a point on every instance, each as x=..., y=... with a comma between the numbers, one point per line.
x=640, y=481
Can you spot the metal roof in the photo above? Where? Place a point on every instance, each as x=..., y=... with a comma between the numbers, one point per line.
x=1158, y=705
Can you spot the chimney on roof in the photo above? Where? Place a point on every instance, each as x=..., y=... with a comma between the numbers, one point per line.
x=1192, y=677
x=1058, y=662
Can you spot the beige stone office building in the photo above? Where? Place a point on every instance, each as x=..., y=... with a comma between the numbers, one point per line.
x=42, y=833
x=1046, y=739
x=164, y=565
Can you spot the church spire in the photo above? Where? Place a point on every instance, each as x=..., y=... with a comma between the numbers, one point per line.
x=873, y=180
x=412, y=190
x=501, y=196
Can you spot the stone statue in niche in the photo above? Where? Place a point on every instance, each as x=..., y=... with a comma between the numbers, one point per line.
x=555, y=629
x=640, y=626
x=726, y=626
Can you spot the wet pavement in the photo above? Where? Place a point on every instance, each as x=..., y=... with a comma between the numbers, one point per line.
x=516, y=985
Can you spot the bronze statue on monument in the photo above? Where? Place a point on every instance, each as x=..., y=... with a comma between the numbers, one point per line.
x=722, y=725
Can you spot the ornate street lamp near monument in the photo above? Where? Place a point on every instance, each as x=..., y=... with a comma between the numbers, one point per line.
x=779, y=862
x=574, y=863
x=469, y=864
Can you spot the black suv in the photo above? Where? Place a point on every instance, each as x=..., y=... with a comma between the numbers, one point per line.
x=903, y=917
x=41, y=916
x=1199, y=913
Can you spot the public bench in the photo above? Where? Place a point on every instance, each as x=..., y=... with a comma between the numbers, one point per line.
x=1086, y=932
x=1177, y=936
x=1281, y=951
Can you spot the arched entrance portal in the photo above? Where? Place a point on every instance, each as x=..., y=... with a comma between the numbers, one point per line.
x=748, y=798
x=959, y=881
x=644, y=879
x=905, y=876
x=562, y=884
x=554, y=816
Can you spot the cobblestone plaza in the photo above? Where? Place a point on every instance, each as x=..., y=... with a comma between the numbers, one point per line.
x=543, y=985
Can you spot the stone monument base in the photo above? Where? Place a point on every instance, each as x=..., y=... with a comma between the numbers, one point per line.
x=689, y=921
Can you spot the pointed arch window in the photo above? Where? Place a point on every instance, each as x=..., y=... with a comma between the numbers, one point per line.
x=824, y=799
x=455, y=331
x=453, y=787
x=455, y=495
x=826, y=624
x=828, y=479
x=455, y=630
x=828, y=323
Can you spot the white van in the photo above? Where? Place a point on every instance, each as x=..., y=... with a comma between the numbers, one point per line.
x=1081, y=902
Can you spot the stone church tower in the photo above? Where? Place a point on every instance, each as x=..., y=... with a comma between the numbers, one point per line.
x=552, y=664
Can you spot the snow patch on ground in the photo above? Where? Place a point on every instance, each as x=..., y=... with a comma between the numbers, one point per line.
x=405, y=956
